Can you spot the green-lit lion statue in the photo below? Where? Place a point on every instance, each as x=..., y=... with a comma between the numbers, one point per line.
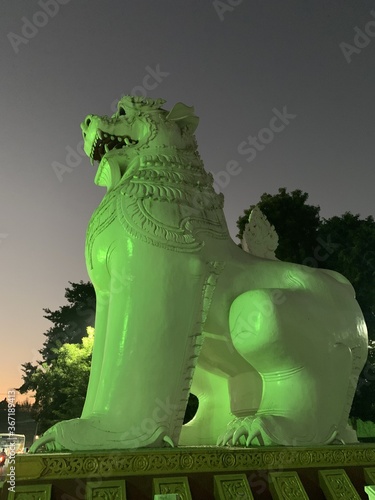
x=271, y=349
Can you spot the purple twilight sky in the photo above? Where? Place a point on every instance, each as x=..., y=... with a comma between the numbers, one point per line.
x=240, y=63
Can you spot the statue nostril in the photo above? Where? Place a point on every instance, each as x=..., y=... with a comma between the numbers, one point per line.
x=88, y=121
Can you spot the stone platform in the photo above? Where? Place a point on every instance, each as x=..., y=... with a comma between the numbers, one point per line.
x=198, y=473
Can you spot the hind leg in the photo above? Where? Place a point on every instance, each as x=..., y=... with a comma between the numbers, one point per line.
x=301, y=348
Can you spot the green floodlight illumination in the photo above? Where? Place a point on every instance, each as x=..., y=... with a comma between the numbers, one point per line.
x=271, y=349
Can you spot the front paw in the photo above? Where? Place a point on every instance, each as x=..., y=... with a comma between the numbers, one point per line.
x=48, y=442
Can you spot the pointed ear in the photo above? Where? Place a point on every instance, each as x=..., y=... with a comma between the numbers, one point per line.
x=184, y=116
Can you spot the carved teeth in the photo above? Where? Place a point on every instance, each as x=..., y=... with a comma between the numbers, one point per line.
x=104, y=143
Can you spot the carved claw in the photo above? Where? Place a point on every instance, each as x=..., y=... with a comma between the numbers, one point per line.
x=253, y=435
x=235, y=430
x=225, y=438
x=220, y=439
x=243, y=430
x=168, y=440
x=43, y=441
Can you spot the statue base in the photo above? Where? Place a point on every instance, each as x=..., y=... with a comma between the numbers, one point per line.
x=200, y=473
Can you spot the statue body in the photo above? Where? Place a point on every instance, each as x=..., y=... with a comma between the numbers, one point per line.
x=273, y=350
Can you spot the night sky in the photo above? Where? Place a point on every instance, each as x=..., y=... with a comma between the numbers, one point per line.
x=241, y=64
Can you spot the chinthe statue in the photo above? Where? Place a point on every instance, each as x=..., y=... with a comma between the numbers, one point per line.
x=271, y=349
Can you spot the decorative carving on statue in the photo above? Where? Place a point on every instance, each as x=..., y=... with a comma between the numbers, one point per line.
x=105, y=490
x=31, y=492
x=260, y=237
x=336, y=484
x=168, y=485
x=287, y=485
x=272, y=350
x=232, y=487
x=198, y=460
x=103, y=216
x=370, y=475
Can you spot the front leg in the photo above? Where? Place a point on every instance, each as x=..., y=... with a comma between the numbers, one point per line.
x=153, y=334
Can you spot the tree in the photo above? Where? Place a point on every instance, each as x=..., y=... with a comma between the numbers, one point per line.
x=60, y=386
x=69, y=326
x=353, y=254
x=296, y=223
x=71, y=320
x=363, y=406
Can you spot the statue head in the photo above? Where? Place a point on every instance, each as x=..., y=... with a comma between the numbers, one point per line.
x=140, y=126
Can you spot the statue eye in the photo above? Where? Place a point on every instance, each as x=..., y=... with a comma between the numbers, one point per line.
x=121, y=112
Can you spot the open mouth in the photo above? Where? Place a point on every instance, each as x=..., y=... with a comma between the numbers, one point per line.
x=103, y=143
